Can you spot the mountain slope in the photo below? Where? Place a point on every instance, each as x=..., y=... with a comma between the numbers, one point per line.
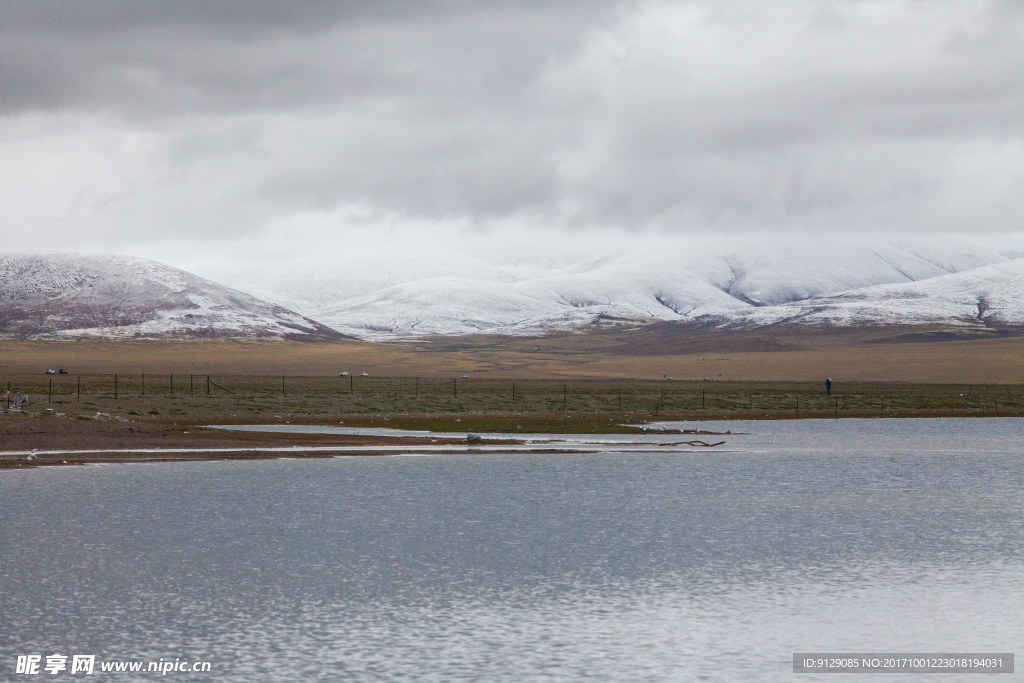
x=754, y=282
x=59, y=294
x=990, y=296
x=866, y=282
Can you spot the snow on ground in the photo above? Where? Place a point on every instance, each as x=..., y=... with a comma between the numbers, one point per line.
x=406, y=295
x=106, y=295
x=752, y=282
x=989, y=295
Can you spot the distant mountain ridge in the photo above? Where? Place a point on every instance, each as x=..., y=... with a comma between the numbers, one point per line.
x=990, y=296
x=751, y=285
x=103, y=295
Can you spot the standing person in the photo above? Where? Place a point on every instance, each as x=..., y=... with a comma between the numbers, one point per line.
x=828, y=387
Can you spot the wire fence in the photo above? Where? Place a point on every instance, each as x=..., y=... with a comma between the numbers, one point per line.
x=467, y=394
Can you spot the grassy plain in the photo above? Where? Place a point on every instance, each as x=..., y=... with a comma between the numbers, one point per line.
x=155, y=393
x=891, y=355
x=487, y=403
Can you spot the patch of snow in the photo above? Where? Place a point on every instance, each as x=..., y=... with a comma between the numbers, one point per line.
x=748, y=284
x=107, y=295
x=394, y=296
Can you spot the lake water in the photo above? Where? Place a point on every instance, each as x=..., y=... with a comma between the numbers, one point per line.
x=845, y=535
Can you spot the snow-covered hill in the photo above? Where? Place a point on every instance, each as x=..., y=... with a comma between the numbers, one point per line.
x=990, y=296
x=105, y=295
x=862, y=282
x=751, y=283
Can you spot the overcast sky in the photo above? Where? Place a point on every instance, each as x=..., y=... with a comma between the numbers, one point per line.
x=174, y=129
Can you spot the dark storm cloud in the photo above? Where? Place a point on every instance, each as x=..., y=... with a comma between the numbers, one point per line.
x=238, y=119
x=199, y=56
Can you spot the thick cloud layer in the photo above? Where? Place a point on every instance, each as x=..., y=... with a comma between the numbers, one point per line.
x=177, y=128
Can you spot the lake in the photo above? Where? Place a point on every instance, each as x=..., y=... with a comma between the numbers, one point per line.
x=813, y=535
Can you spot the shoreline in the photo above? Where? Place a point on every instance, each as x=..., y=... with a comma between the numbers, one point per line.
x=22, y=460
x=45, y=439
x=77, y=458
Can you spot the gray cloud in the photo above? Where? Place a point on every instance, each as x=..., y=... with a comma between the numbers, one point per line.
x=174, y=57
x=131, y=124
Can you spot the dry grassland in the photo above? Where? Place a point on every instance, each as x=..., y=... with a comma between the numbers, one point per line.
x=154, y=394
x=602, y=378
x=608, y=354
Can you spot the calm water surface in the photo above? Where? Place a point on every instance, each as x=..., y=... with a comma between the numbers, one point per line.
x=849, y=535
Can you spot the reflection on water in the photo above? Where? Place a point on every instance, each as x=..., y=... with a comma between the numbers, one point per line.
x=826, y=536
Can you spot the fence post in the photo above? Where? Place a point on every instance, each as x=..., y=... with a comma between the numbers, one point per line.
x=207, y=385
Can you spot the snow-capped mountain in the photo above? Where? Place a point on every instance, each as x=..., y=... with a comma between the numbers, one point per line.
x=864, y=282
x=752, y=283
x=989, y=296
x=103, y=295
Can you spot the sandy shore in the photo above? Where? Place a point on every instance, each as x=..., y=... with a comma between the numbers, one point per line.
x=127, y=441
x=51, y=440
